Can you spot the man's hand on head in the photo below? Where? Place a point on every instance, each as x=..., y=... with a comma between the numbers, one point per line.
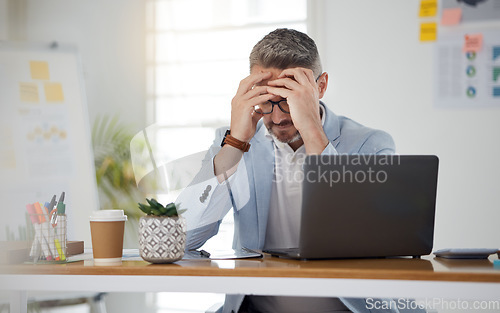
x=243, y=116
x=243, y=122
x=298, y=86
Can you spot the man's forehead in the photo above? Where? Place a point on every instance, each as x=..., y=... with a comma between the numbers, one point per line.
x=261, y=69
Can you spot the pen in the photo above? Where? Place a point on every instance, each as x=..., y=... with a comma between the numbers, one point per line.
x=35, y=247
x=51, y=211
x=52, y=203
x=51, y=232
x=61, y=207
x=39, y=213
x=43, y=233
x=61, y=240
x=202, y=253
x=61, y=256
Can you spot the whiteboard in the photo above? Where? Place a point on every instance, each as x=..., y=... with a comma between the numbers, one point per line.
x=45, y=145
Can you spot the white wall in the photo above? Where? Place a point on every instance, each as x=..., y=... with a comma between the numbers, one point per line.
x=111, y=38
x=381, y=76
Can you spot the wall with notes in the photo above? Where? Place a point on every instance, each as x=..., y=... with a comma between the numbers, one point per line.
x=382, y=76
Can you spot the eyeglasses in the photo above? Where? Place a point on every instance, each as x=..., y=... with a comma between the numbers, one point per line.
x=268, y=107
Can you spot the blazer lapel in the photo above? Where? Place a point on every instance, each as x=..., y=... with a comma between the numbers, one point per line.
x=331, y=126
x=263, y=173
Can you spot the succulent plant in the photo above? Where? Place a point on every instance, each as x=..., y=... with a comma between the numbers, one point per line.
x=154, y=208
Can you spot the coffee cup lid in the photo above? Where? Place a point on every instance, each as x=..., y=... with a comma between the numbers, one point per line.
x=108, y=215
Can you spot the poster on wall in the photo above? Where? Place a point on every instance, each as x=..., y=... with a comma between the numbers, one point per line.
x=474, y=10
x=467, y=79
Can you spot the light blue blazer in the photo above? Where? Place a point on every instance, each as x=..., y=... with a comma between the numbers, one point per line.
x=248, y=191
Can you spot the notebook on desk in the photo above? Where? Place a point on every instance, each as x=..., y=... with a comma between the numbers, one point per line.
x=356, y=206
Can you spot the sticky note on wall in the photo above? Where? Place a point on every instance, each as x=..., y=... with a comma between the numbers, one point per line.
x=53, y=92
x=428, y=31
x=428, y=8
x=473, y=43
x=39, y=70
x=451, y=17
x=8, y=159
x=28, y=92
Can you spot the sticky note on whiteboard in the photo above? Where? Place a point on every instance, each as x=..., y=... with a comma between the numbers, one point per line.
x=473, y=43
x=28, y=92
x=39, y=70
x=451, y=16
x=428, y=8
x=428, y=31
x=53, y=92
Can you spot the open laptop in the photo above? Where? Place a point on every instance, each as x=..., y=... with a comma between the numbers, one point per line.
x=356, y=206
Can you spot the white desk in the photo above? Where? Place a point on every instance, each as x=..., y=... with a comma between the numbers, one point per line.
x=377, y=278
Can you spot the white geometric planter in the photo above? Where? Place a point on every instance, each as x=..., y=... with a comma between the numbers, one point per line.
x=162, y=239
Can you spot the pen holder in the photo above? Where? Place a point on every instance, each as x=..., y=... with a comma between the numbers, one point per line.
x=49, y=238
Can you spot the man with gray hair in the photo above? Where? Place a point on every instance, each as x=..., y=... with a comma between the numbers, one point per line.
x=276, y=120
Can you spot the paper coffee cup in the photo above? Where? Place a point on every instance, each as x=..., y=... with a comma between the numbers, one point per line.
x=107, y=228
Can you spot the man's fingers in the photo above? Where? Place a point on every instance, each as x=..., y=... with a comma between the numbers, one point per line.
x=260, y=99
x=282, y=92
x=247, y=83
x=285, y=82
x=297, y=73
x=250, y=103
x=310, y=75
x=256, y=91
x=256, y=117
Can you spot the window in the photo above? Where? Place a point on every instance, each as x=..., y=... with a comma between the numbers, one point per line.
x=197, y=54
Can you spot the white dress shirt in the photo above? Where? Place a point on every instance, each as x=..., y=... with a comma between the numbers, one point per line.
x=286, y=198
x=283, y=224
x=283, y=228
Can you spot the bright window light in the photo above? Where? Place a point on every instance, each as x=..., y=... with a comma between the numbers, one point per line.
x=197, y=54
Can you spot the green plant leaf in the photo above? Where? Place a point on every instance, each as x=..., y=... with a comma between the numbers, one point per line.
x=156, y=204
x=171, y=212
x=170, y=205
x=156, y=212
x=145, y=208
x=156, y=208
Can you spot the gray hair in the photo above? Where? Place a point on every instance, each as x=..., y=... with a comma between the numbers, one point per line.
x=284, y=48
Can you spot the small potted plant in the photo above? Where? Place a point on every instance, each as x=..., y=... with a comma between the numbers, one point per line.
x=162, y=232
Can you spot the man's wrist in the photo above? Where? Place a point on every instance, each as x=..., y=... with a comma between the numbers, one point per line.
x=315, y=141
x=236, y=135
x=234, y=142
